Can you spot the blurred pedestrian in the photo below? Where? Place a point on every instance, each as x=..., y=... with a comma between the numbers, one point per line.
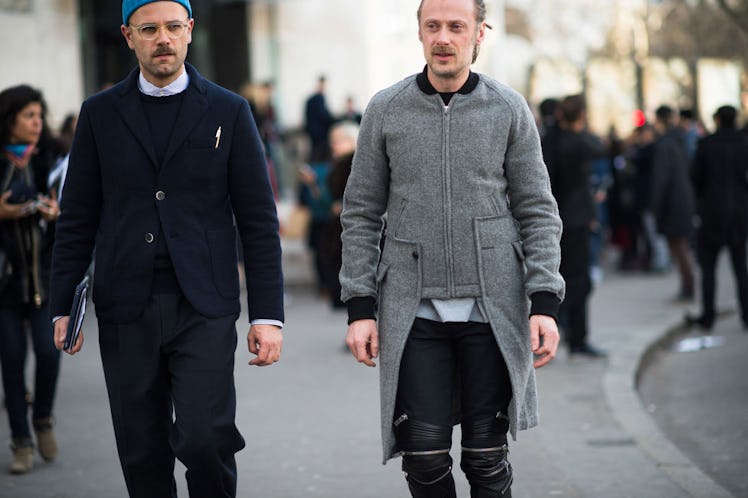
x=314, y=194
x=720, y=181
x=691, y=130
x=568, y=151
x=28, y=212
x=260, y=98
x=671, y=199
x=351, y=113
x=317, y=123
x=640, y=154
x=162, y=166
x=57, y=176
x=601, y=180
x=547, y=121
x=67, y=132
x=343, y=137
x=438, y=154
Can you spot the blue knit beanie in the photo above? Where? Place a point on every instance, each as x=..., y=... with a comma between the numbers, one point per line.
x=130, y=6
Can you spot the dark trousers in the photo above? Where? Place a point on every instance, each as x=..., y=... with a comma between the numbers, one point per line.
x=170, y=379
x=575, y=263
x=680, y=250
x=708, y=250
x=434, y=353
x=13, y=352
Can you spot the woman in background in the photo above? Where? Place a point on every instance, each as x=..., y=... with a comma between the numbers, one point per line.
x=28, y=210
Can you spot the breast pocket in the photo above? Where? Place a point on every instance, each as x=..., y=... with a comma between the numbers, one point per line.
x=201, y=143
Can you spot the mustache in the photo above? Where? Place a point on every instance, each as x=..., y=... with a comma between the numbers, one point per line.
x=443, y=51
x=163, y=51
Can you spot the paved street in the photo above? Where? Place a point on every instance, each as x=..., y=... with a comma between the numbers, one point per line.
x=699, y=399
x=311, y=422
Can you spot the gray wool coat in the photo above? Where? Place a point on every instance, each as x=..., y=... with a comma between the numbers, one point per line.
x=469, y=213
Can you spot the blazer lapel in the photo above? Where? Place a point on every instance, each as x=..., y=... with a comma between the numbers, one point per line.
x=130, y=108
x=194, y=107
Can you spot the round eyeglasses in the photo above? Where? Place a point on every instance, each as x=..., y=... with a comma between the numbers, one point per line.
x=173, y=29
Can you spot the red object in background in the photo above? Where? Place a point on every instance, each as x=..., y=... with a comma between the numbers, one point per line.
x=639, y=118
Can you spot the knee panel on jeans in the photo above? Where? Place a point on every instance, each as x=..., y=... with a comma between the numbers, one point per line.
x=484, y=454
x=425, y=449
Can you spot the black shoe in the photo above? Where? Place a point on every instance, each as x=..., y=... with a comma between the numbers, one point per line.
x=587, y=350
x=699, y=321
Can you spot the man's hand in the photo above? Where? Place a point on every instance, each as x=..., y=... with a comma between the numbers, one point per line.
x=543, y=339
x=61, y=330
x=363, y=341
x=266, y=341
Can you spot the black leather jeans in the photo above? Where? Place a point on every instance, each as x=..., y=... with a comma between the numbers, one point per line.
x=443, y=363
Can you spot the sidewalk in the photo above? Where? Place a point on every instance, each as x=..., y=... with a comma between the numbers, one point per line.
x=311, y=422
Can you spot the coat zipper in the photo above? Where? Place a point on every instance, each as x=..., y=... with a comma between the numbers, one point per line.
x=447, y=200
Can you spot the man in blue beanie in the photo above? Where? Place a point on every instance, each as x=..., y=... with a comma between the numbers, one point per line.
x=165, y=169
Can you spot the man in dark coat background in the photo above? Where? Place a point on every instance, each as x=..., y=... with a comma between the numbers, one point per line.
x=568, y=151
x=720, y=182
x=317, y=123
x=671, y=199
x=161, y=165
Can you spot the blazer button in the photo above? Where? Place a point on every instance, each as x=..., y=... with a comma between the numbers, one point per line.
x=415, y=255
x=160, y=195
x=149, y=238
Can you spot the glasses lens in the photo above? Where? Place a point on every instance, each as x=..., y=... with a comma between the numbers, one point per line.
x=175, y=29
x=148, y=31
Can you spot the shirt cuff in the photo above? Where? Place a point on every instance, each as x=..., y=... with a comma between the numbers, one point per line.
x=545, y=303
x=361, y=308
x=262, y=321
x=56, y=318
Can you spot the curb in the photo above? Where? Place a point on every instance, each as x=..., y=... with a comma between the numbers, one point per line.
x=619, y=383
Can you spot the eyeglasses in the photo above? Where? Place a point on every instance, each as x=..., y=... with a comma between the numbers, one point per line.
x=174, y=30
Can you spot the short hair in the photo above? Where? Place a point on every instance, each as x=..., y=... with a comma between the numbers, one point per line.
x=571, y=108
x=727, y=116
x=12, y=101
x=686, y=114
x=664, y=114
x=480, y=10
x=548, y=107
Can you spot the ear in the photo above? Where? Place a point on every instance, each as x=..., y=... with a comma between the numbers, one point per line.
x=481, y=33
x=190, y=27
x=127, y=34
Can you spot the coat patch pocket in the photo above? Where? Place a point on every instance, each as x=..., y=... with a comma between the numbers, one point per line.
x=495, y=231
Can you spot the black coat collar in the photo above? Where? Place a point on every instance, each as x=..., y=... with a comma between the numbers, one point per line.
x=426, y=87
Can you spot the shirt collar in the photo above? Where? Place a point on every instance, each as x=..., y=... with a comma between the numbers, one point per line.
x=426, y=87
x=177, y=86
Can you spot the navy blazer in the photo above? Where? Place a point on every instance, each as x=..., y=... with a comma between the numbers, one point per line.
x=116, y=195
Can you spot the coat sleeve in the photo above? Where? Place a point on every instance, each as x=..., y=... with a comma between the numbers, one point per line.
x=364, y=205
x=533, y=206
x=79, y=217
x=256, y=219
